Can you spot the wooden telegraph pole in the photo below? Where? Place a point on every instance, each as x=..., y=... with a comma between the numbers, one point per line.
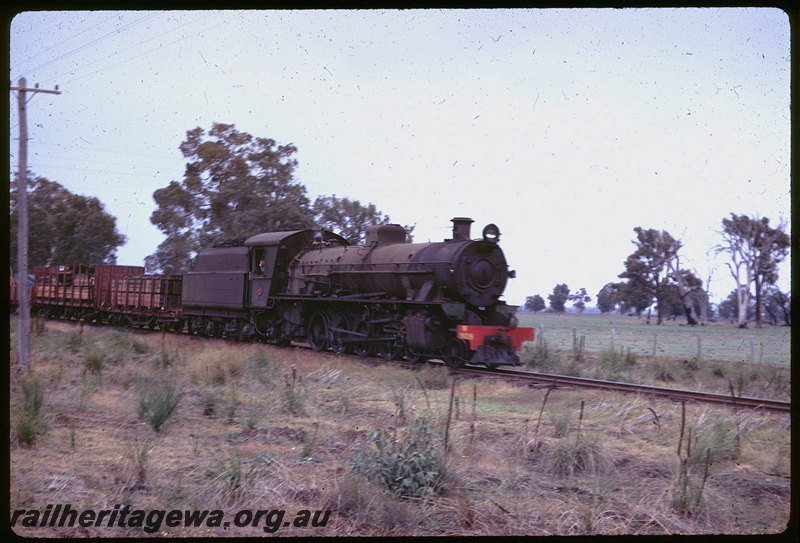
x=24, y=347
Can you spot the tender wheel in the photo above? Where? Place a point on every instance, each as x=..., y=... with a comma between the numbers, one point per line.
x=215, y=329
x=319, y=331
x=455, y=353
x=364, y=348
x=340, y=325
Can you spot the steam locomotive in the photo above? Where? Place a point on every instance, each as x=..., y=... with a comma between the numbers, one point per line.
x=385, y=297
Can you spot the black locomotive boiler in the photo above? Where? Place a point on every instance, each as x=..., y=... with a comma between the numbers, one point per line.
x=387, y=297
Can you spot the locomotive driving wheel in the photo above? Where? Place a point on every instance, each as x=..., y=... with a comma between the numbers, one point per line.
x=319, y=331
x=455, y=353
x=388, y=350
x=363, y=348
x=413, y=356
x=339, y=329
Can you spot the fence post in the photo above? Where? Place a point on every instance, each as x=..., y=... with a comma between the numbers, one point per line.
x=699, y=348
x=655, y=335
x=612, y=339
x=752, y=351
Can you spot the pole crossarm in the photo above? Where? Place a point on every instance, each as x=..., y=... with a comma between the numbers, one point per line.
x=36, y=89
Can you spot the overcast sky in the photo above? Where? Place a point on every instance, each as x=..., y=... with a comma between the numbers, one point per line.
x=565, y=127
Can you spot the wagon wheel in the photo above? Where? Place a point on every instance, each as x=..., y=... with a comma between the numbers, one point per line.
x=455, y=353
x=218, y=330
x=340, y=327
x=364, y=348
x=319, y=331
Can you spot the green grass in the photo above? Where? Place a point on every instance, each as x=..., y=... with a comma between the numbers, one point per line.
x=721, y=342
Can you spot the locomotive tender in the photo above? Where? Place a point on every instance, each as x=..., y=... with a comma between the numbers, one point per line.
x=386, y=297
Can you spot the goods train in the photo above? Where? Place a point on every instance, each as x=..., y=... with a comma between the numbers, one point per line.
x=386, y=297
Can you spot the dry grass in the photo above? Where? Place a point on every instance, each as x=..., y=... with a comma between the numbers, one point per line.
x=236, y=440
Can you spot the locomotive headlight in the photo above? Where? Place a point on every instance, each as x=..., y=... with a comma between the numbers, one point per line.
x=491, y=233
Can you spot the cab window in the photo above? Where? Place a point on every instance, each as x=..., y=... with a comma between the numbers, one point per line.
x=259, y=265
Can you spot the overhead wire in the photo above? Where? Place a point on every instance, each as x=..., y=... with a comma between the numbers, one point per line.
x=89, y=160
x=92, y=42
x=102, y=149
x=159, y=48
x=139, y=44
x=40, y=53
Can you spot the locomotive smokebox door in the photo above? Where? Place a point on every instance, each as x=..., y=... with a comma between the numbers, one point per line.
x=262, y=264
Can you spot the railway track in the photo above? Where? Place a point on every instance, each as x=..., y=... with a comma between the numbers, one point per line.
x=674, y=394
x=566, y=381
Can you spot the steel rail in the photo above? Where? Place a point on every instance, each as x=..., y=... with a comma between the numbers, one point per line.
x=617, y=386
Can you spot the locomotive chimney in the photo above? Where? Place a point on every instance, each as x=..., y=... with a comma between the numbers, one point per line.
x=461, y=228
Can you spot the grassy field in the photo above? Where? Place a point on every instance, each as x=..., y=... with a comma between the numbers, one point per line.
x=170, y=422
x=718, y=342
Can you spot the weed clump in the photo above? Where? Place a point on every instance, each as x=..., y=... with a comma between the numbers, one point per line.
x=433, y=377
x=294, y=394
x=540, y=356
x=264, y=368
x=157, y=402
x=231, y=474
x=93, y=359
x=30, y=422
x=141, y=454
x=117, y=346
x=722, y=440
x=378, y=512
x=567, y=457
x=616, y=364
x=561, y=422
x=73, y=341
x=662, y=371
x=408, y=467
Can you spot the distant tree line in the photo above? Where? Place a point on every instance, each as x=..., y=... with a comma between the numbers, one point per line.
x=653, y=275
x=235, y=185
x=64, y=228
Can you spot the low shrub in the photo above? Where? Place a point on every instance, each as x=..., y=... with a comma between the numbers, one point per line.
x=662, y=371
x=540, y=357
x=93, y=359
x=616, y=364
x=408, y=467
x=568, y=457
x=561, y=422
x=28, y=427
x=30, y=422
x=157, y=401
